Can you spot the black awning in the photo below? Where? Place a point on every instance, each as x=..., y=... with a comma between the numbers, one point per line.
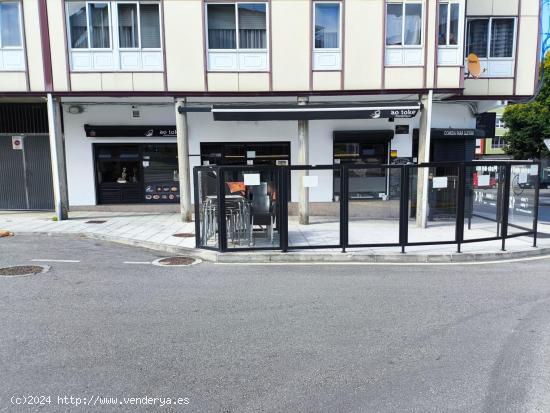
x=314, y=111
x=130, y=131
x=456, y=133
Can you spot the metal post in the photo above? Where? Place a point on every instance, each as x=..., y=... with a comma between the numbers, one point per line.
x=283, y=209
x=198, y=203
x=459, y=230
x=183, y=161
x=536, y=206
x=222, y=224
x=424, y=143
x=344, y=207
x=57, y=153
x=404, y=208
x=505, y=205
x=303, y=155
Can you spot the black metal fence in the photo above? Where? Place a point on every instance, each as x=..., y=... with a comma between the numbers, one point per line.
x=239, y=208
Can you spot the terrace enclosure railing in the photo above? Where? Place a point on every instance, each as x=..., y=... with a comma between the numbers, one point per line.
x=240, y=208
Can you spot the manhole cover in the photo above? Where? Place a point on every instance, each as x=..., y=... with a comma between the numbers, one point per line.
x=184, y=235
x=18, y=270
x=95, y=221
x=176, y=261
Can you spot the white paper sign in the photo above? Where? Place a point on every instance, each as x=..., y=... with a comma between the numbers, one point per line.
x=17, y=142
x=249, y=162
x=440, y=182
x=145, y=164
x=251, y=179
x=310, y=181
x=484, y=180
x=522, y=179
x=250, y=154
x=534, y=170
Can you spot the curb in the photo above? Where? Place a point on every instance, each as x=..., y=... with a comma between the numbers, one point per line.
x=313, y=258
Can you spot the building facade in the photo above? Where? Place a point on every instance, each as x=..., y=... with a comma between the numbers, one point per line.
x=153, y=88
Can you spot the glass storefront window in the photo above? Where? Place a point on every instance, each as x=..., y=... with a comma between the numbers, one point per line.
x=136, y=173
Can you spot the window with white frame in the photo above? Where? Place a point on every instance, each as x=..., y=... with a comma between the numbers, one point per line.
x=493, y=40
x=237, y=36
x=404, y=35
x=11, y=37
x=449, y=37
x=114, y=35
x=327, y=47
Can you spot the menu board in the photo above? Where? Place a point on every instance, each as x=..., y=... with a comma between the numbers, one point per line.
x=162, y=192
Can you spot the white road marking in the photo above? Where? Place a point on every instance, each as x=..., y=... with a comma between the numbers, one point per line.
x=398, y=264
x=49, y=260
x=137, y=262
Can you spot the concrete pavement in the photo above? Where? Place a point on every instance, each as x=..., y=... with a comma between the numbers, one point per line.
x=272, y=338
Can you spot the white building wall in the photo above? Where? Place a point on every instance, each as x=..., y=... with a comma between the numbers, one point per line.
x=78, y=147
x=202, y=128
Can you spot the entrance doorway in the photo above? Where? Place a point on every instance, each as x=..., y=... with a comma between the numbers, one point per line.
x=25, y=173
x=136, y=173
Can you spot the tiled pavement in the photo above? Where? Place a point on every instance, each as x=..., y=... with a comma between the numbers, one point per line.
x=157, y=229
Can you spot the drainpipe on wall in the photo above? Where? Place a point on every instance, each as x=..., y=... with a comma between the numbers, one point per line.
x=303, y=159
x=424, y=144
x=183, y=161
x=57, y=153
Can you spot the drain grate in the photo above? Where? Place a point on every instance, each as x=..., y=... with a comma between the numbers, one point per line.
x=95, y=221
x=22, y=270
x=176, y=261
x=184, y=235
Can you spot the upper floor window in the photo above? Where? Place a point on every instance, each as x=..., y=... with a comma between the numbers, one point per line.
x=404, y=35
x=114, y=35
x=11, y=38
x=449, y=33
x=327, y=53
x=493, y=41
x=237, y=36
x=448, y=24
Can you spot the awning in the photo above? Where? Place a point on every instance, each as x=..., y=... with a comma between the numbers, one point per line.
x=456, y=133
x=314, y=111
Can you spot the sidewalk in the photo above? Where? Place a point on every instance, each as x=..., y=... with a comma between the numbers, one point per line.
x=157, y=231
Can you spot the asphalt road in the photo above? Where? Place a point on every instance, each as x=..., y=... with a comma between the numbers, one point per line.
x=280, y=338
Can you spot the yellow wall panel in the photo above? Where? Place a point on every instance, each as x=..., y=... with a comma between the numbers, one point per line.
x=291, y=44
x=363, y=59
x=184, y=44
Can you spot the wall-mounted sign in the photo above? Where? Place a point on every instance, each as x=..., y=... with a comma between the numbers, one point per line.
x=485, y=123
x=401, y=129
x=130, y=131
x=452, y=133
x=17, y=142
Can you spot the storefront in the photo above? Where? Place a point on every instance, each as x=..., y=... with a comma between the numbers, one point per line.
x=127, y=173
x=116, y=157
x=136, y=173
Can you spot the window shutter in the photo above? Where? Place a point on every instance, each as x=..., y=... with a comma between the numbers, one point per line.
x=150, y=26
